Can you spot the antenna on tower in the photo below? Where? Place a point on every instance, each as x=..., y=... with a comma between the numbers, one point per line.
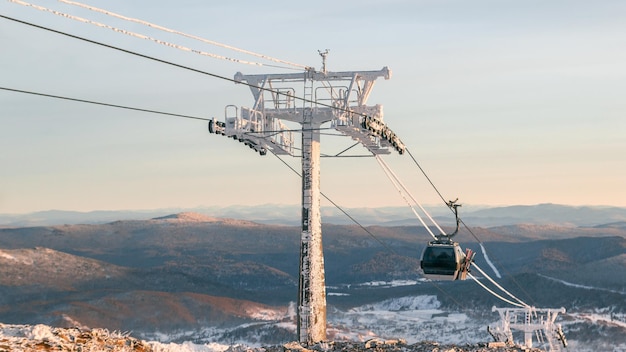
x=324, y=55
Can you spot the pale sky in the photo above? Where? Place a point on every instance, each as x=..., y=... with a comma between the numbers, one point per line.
x=501, y=102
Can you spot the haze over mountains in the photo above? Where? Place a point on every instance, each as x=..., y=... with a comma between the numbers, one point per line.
x=197, y=277
x=544, y=214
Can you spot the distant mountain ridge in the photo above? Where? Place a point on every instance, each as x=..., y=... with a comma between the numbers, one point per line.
x=549, y=214
x=540, y=214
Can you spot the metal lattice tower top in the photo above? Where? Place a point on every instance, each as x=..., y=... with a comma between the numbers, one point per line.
x=336, y=97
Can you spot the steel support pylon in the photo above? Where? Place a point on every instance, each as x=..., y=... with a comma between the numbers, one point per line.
x=312, y=288
x=341, y=100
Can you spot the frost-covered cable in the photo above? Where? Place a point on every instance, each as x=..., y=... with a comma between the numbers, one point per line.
x=414, y=200
x=265, y=89
x=495, y=294
x=403, y=188
x=393, y=181
x=463, y=222
x=343, y=211
x=165, y=29
x=498, y=285
x=137, y=35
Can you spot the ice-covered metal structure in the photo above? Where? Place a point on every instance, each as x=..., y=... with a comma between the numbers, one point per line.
x=309, y=99
x=537, y=322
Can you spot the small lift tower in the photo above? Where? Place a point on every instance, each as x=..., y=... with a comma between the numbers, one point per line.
x=310, y=99
x=531, y=321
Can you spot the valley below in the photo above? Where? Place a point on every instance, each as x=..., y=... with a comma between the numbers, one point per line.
x=189, y=278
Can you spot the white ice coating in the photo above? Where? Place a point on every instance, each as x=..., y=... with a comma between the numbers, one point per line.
x=134, y=34
x=312, y=292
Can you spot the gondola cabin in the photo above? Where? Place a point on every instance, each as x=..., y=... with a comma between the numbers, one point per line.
x=443, y=260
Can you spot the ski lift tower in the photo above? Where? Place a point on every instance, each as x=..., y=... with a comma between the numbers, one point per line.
x=531, y=321
x=310, y=99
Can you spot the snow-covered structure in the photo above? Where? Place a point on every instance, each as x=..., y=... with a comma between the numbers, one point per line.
x=531, y=321
x=336, y=97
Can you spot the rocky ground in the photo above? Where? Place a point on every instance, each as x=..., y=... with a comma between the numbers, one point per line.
x=378, y=345
x=45, y=338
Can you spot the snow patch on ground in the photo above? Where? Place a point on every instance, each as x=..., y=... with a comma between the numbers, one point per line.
x=371, y=284
x=187, y=347
x=393, y=283
x=267, y=314
x=601, y=319
x=493, y=267
x=581, y=286
x=411, y=303
x=413, y=318
x=6, y=256
x=17, y=255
